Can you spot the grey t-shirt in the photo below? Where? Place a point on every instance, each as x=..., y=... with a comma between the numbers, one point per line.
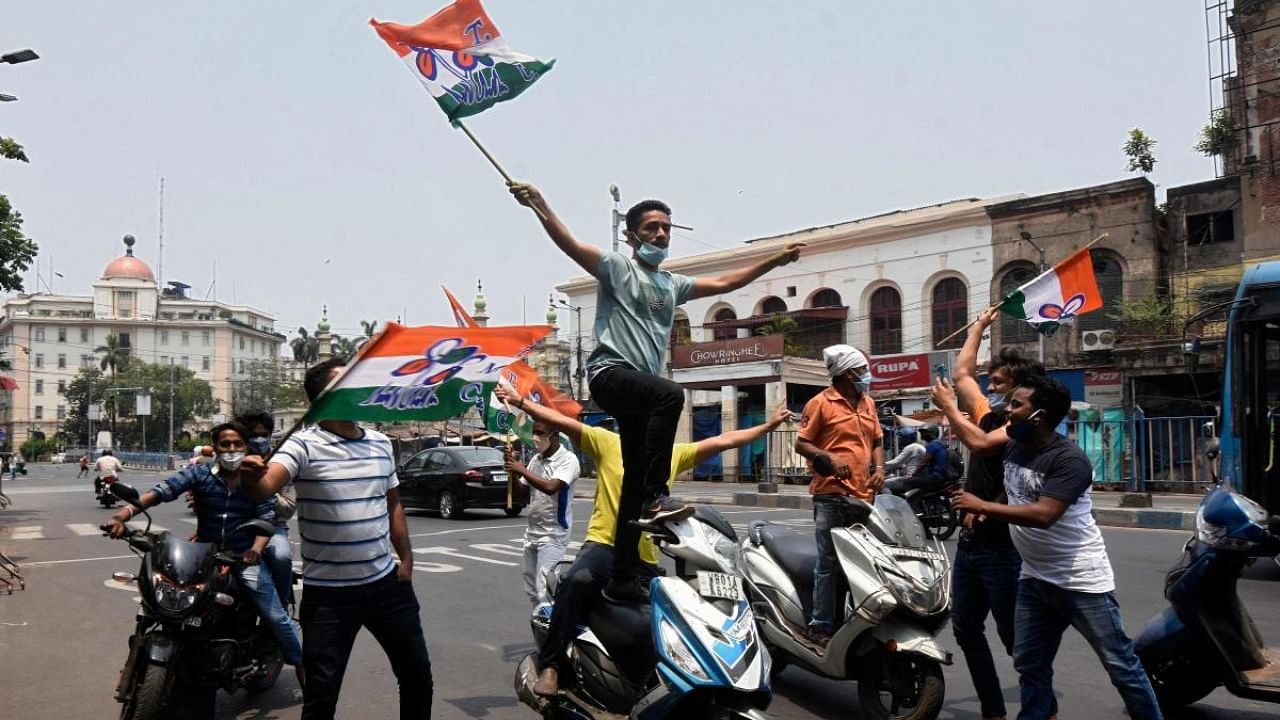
x=635, y=309
x=1070, y=553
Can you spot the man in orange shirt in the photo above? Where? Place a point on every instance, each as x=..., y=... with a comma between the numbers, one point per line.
x=840, y=435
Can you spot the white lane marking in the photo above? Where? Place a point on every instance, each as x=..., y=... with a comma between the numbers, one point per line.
x=435, y=567
x=84, y=528
x=465, y=529
x=27, y=532
x=116, y=585
x=756, y=510
x=77, y=560
x=499, y=548
x=141, y=525
x=191, y=520
x=450, y=552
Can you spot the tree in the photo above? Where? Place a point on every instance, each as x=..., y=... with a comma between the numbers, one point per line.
x=306, y=348
x=114, y=357
x=1138, y=149
x=370, y=329
x=1218, y=135
x=266, y=387
x=786, y=327
x=343, y=347
x=17, y=251
x=193, y=398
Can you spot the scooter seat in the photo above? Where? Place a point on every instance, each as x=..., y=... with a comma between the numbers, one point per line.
x=796, y=553
x=626, y=632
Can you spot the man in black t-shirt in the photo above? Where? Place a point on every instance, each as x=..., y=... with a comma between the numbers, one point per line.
x=984, y=577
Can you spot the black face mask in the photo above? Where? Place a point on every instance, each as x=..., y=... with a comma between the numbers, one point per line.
x=1023, y=430
x=260, y=445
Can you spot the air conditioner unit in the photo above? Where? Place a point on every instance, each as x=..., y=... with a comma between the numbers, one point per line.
x=1092, y=340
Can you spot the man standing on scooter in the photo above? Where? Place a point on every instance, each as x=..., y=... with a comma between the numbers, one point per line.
x=841, y=437
x=1066, y=575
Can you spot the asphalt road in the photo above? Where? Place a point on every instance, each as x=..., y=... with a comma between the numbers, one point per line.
x=62, y=640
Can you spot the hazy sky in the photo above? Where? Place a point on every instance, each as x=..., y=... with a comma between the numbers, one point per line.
x=289, y=135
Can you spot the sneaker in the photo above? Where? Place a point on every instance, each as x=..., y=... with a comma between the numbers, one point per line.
x=629, y=591
x=548, y=683
x=665, y=508
x=819, y=638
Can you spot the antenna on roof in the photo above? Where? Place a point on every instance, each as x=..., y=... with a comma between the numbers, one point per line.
x=161, y=268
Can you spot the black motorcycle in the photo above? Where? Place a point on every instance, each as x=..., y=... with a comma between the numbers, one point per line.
x=102, y=491
x=932, y=505
x=196, y=631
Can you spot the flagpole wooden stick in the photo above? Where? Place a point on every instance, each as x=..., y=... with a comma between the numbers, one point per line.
x=506, y=438
x=492, y=160
x=969, y=324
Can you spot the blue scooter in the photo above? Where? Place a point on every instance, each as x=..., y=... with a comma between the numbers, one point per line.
x=1206, y=637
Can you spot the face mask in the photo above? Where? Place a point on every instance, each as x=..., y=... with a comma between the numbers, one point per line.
x=1022, y=430
x=862, y=382
x=260, y=445
x=541, y=443
x=998, y=401
x=230, y=461
x=651, y=254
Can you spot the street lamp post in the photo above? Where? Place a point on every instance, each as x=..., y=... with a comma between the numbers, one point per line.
x=578, y=371
x=13, y=58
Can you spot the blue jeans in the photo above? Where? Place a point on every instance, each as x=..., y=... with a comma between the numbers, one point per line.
x=331, y=618
x=984, y=578
x=256, y=581
x=828, y=513
x=1044, y=612
x=279, y=558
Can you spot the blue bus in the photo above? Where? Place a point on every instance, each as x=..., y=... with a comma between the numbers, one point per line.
x=1250, y=432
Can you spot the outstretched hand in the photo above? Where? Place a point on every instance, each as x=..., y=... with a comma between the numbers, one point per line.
x=782, y=415
x=527, y=195
x=789, y=254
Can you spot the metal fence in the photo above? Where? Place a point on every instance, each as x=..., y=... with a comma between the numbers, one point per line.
x=1160, y=454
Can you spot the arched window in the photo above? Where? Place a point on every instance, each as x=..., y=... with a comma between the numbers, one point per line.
x=725, y=333
x=773, y=304
x=1110, y=276
x=1013, y=330
x=886, y=322
x=825, y=297
x=680, y=331
x=950, y=312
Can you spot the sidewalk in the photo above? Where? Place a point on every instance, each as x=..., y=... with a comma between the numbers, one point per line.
x=1167, y=511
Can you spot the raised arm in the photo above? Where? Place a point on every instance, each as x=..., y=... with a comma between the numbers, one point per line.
x=260, y=479
x=733, y=280
x=975, y=438
x=587, y=256
x=966, y=370
x=713, y=446
x=561, y=422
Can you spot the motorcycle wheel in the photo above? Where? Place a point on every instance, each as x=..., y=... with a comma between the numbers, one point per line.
x=148, y=696
x=268, y=679
x=1180, y=682
x=900, y=687
x=945, y=518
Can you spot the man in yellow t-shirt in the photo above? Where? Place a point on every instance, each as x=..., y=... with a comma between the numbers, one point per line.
x=592, y=567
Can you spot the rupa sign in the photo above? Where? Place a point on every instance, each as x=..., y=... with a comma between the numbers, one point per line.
x=900, y=372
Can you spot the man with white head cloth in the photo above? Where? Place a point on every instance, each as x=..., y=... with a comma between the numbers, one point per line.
x=840, y=435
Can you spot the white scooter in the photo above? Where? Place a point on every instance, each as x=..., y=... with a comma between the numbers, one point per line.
x=894, y=590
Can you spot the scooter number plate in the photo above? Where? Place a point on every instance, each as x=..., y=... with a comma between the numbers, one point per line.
x=719, y=585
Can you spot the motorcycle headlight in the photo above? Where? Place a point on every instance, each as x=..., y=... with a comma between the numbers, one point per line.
x=680, y=653
x=171, y=597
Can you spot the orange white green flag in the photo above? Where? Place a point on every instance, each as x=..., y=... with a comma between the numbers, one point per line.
x=1056, y=296
x=423, y=373
x=460, y=57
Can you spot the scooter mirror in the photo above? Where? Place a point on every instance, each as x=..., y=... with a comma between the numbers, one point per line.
x=125, y=492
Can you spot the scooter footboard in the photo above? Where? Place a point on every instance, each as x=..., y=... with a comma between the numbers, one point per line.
x=910, y=639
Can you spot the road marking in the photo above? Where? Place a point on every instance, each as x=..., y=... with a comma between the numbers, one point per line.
x=441, y=550
x=193, y=521
x=84, y=528
x=27, y=532
x=754, y=510
x=466, y=529
x=77, y=560
x=435, y=567
x=499, y=548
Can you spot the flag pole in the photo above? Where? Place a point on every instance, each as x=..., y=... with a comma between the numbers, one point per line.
x=506, y=438
x=492, y=161
x=969, y=324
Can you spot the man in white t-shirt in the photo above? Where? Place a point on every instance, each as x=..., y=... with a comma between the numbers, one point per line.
x=1066, y=576
x=551, y=474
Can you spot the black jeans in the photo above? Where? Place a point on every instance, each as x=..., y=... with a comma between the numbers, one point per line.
x=577, y=592
x=331, y=617
x=647, y=409
x=984, y=579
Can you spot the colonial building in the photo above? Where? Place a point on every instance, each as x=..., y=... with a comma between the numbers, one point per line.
x=48, y=338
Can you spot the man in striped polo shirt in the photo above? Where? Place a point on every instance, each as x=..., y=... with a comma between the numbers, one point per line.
x=353, y=529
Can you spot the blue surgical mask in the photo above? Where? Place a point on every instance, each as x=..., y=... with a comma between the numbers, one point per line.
x=651, y=254
x=997, y=401
x=862, y=382
x=260, y=445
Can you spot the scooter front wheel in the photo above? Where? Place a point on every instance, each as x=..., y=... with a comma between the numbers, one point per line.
x=898, y=686
x=1180, y=681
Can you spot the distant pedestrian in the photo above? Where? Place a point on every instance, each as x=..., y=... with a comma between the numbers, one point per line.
x=84, y=466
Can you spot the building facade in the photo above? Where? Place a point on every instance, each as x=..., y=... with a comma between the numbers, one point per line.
x=48, y=338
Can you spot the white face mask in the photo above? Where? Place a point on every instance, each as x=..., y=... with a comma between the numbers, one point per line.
x=230, y=461
x=541, y=443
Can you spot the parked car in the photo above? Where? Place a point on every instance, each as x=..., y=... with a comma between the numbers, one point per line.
x=452, y=480
x=59, y=458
